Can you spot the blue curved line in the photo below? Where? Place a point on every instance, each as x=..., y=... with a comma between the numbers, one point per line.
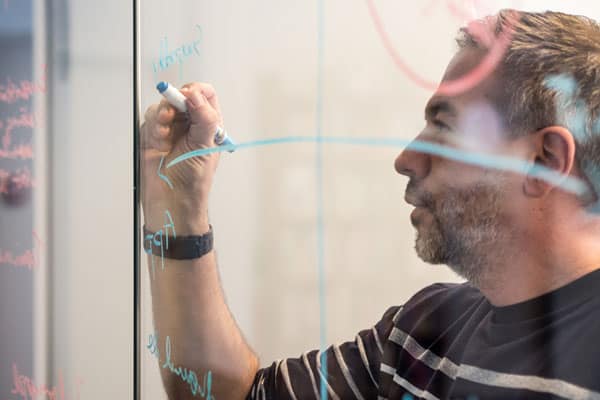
x=161, y=176
x=503, y=163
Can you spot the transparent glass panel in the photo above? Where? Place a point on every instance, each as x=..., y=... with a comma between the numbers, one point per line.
x=313, y=238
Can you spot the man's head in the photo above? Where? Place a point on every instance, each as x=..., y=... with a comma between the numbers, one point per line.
x=541, y=105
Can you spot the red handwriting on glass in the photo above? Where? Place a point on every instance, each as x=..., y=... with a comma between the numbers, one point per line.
x=22, y=151
x=23, y=120
x=11, y=92
x=29, y=259
x=472, y=78
x=11, y=181
x=28, y=390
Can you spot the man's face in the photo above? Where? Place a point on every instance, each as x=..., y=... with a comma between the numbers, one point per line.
x=463, y=212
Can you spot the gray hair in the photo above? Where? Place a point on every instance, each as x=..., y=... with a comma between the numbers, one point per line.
x=550, y=75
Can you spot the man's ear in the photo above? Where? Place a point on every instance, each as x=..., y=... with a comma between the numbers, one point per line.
x=554, y=149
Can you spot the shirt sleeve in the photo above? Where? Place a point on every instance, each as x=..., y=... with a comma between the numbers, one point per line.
x=352, y=369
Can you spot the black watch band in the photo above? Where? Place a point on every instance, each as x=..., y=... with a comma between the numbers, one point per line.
x=178, y=247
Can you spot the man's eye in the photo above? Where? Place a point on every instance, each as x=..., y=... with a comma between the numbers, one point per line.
x=440, y=125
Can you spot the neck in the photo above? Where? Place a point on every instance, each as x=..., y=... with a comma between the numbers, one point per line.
x=542, y=263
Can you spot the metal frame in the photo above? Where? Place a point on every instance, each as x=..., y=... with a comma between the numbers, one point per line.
x=136, y=204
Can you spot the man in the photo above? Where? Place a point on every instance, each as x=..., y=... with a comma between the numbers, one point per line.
x=524, y=326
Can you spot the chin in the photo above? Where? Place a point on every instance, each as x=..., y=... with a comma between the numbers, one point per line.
x=418, y=216
x=429, y=246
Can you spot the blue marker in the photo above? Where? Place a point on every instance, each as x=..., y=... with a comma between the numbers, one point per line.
x=177, y=100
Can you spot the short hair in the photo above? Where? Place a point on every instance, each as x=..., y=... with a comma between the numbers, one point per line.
x=549, y=75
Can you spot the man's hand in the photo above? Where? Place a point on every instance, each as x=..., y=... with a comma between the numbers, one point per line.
x=184, y=188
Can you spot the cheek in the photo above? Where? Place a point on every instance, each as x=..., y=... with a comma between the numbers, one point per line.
x=452, y=174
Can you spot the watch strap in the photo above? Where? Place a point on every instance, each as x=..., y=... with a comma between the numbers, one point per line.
x=177, y=247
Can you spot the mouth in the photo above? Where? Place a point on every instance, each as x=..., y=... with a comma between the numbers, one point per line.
x=414, y=201
x=421, y=208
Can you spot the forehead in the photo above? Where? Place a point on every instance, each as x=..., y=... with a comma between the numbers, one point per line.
x=461, y=66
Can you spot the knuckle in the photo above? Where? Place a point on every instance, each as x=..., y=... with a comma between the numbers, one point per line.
x=163, y=131
x=166, y=115
x=151, y=112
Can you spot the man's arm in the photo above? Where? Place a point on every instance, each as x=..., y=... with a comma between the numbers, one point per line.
x=197, y=342
x=189, y=308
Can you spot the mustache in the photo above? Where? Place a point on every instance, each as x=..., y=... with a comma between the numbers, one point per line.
x=418, y=197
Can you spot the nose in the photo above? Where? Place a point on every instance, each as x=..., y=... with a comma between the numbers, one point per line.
x=413, y=164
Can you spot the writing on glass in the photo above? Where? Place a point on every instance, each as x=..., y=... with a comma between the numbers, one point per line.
x=29, y=259
x=22, y=119
x=19, y=179
x=167, y=58
x=156, y=240
x=186, y=375
x=12, y=93
x=26, y=389
x=488, y=64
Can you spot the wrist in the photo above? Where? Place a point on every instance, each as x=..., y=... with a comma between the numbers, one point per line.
x=186, y=218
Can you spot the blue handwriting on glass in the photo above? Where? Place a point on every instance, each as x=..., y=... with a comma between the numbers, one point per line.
x=167, y=58
x=185, y=374
x=156, y=239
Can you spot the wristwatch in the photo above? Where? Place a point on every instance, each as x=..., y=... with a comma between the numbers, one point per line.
x=178, y=247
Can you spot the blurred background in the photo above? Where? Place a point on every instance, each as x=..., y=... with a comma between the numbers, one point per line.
x=66, y=307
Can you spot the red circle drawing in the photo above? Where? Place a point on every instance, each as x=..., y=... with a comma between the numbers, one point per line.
x=455, y=86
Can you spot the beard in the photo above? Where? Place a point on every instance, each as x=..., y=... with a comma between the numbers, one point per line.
x=465, y=230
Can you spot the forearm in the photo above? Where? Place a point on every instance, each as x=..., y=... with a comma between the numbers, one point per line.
x=190, y=310
x=197, y=342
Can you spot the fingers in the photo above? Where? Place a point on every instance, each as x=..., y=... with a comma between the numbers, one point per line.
x=157, y=132
x=207, y=90
x=205, y=117
x=164, y=125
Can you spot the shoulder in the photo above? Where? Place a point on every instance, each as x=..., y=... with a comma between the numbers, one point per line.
x=446, y=298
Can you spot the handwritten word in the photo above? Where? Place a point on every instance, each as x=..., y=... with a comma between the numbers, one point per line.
x=26, y=260
x=167, y=58
x=27, y=389
x=188, y=376
x=22, y=151
x=11, y=92
x=156, y=239
x=11, y=181
x=153, y=345
x=467, y=81
x=23, y=120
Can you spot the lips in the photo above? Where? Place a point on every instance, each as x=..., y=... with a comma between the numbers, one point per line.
x=414, y=200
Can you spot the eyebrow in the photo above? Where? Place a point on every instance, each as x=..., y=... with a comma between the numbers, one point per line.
x=439, y=105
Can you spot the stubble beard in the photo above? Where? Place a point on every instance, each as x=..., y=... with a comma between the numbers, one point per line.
x=466, y=232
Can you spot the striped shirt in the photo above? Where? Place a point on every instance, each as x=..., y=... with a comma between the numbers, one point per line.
x=449, y=342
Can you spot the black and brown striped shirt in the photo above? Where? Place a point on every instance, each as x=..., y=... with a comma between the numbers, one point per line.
x=449, y=342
